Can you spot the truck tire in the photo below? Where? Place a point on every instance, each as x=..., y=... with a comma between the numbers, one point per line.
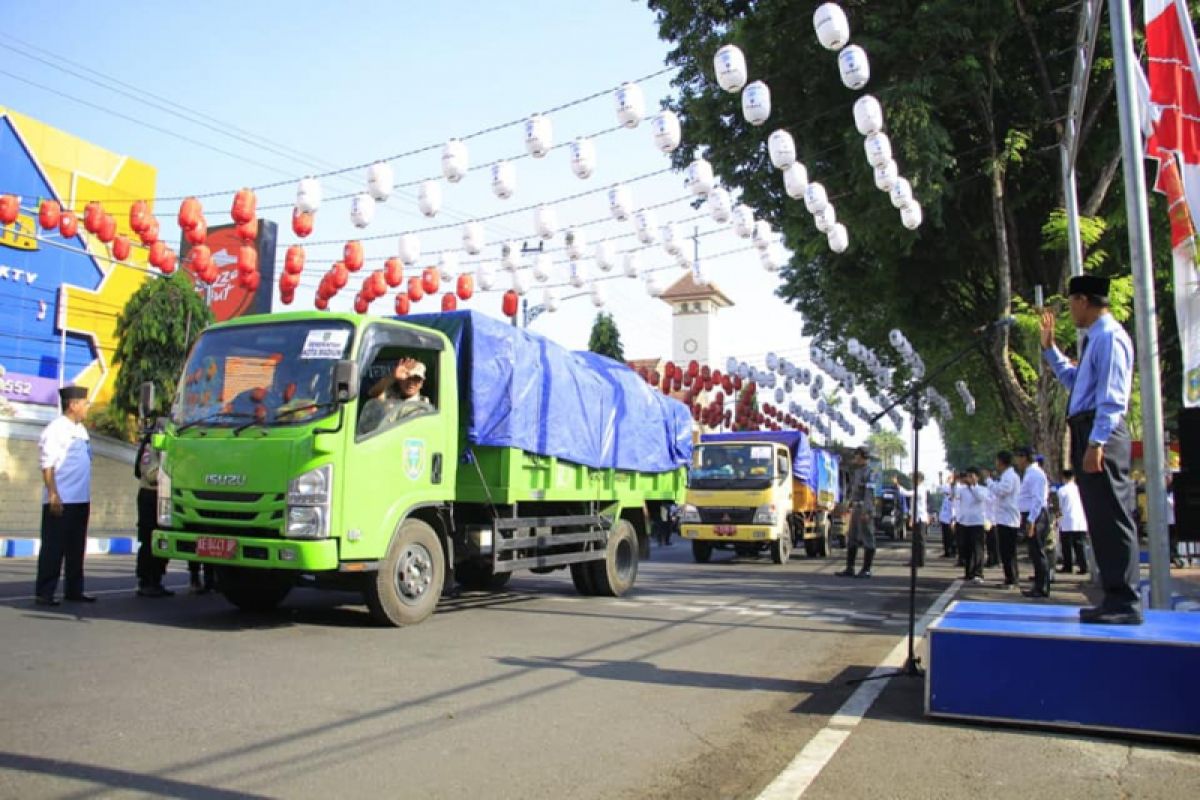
x=615, y=575
x=812, y=547
x=702, y=552
x=408, y=584
x=781, y=548
x=581, y=576
x=479, y=575
x=254, y=589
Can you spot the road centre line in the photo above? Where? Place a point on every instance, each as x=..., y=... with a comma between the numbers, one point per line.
x=797, y=776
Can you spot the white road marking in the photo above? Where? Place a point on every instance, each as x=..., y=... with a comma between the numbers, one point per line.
x=795, y=779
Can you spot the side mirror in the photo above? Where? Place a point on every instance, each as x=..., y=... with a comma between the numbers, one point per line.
x=345, y=380
x=146, y=401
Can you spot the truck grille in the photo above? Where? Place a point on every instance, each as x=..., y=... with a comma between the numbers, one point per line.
x=229, y=513
x=720, y=515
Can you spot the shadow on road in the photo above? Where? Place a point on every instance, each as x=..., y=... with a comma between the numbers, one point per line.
x=117, y=778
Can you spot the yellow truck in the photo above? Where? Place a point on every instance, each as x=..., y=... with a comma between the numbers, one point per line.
x=750, y=491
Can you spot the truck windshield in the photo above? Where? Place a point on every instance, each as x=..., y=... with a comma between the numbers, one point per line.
x=271, y=374
x=742, y=466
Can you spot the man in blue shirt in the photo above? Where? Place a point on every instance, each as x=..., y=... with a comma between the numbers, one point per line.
x=1100, y=448
x=66, y=462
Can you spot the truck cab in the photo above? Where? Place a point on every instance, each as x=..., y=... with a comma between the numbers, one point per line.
x=739, y=497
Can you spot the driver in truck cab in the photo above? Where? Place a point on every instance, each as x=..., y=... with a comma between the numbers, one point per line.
x=395, y=396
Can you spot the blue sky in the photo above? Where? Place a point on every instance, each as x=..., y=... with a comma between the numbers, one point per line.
x=334, y=85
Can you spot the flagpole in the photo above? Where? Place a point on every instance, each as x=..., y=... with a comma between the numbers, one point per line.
x=1145, y=313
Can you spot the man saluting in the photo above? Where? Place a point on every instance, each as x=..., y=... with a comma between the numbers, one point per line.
x=1100, y=448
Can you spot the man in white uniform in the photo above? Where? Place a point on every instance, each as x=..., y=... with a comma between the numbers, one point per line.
x=66, y=462
x=1072, y=524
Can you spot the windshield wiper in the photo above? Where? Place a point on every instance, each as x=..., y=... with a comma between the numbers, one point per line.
x=255, y=421
x=310, y=407
x=211, y=417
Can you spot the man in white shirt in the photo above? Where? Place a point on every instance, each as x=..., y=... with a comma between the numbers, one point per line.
x=1035, y=519
x=1008, y=518
x=1072, y=524
x=972, y=504
x=66, y=462
x=946, y=520
x=919, y=514
x=991, y=549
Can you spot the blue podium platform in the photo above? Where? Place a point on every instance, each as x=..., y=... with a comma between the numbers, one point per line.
x=1038, y=665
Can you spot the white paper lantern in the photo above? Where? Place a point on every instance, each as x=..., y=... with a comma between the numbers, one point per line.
x=380, y=180
x=448, y=264
x=429, y=198
x=854, y=67
x=583, y=157
x=545, y=221
x=756, y=103
x=455, y=161
x=504, y=179
x=539, y=135
x=795, y=180
x=782, y=149
x=720, y=205
x=825, y=219
x=771, y=259
x=901, y=193
x=878, y=148
x=779, y=395
x=633, y=264
x=576, y=244
x=599, y=298
x=308, y=195
x=730, y=65
x=682, y=261
x=362, y=210
x=762, y=235
x=605, y=256
x=472, y=238
x=631, y=104
x=666, y=131
x=620, y=199
x=653, y=287
x=868, y=115
x=550, y=299
x=698, y=178
x=541, y=267
x=578, y=274
x=485, y=277
x=646, y=224
x=815, y=197
x=911, y=215
x=885, y=175
x=670, y=239
x=831, y=25
x=743, y=220
x=896, y=338
x=409, y=248
x=518, y=284
x=839, y=238
x=510, y=256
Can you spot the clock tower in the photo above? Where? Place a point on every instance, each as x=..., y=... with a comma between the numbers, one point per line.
x=694, y=325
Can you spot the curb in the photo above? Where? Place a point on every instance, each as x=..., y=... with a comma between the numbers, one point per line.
x=27, y=548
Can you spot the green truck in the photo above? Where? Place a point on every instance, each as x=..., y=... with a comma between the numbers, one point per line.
x=515, y=454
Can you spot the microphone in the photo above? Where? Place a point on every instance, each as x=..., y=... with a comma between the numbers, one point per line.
x=1000, y=324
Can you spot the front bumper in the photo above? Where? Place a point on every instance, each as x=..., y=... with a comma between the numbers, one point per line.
x=748, y=533
x=260, y=553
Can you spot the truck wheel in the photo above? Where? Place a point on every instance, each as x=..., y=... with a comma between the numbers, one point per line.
x=811, y=547
x=781, y=548
x=479, y=575
x=254, y=589
x=581, y=576
x=702, y=552
x=408, y=584
x=615, y=575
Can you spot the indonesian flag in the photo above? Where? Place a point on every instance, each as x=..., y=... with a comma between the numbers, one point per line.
x=1171, y=115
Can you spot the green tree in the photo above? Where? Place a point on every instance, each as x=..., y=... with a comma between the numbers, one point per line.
x=605, y=338
x=155, y=331
x=888, y=447
x=974, y=98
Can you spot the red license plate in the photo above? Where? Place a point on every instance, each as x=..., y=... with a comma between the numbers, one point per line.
x=216, y=547
x=725, y=530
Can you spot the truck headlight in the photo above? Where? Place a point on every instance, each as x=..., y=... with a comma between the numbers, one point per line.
x=313, y=488
x=764, y=515
x=165, y=513
x=307, y=522
x=689, y=513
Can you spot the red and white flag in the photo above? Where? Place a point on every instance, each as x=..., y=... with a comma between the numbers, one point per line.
x=1171, y=116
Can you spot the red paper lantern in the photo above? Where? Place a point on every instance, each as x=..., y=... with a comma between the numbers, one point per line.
x=403, y=304
x=293, y=261
x=360, y=304
x=249, y=280
x=198, y=234
x=106, y=231
x=352, y=254
x=321, y=303
x=139, y=216
x=289, y=282
x=169, y=261
x=201, y=258
x=393, y=271
x=510, y=303
x=120, y=248
x=669, y=369
x=157, y=251
x=68, y=226
x=149, y=234
x=378, y=284
x=10, y=208
x=247, y=231
x=93, y=213
x=416, y=291
x=430, y=280
x=190, y=213
x=245, y=205
x=653, y=378
x=49, y=213
x=465, y=286
x=693, y=367
x=247, y=259
x=302, y=222
x=449, y=301
x=717, y=377
x=287, y=297
x=210, y=274
x=339, y=275
x=705, y=373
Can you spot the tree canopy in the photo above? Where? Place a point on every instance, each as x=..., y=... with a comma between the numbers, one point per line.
x=606, y=338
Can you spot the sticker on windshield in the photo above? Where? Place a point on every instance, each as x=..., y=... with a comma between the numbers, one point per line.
x=325, y=343
x=757, y=453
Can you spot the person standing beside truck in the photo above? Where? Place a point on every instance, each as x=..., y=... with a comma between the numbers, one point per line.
x=150, y=568
x=862, y=529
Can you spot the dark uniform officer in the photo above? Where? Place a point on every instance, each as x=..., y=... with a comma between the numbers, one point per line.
x=862, y=523
x=66, y=463
x=150, y=568
x=1100, y=448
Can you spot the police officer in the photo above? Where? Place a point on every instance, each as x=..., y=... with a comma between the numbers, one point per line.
x=1100, y=447
x=862, y=524
x=150, y=568
x=66, y=463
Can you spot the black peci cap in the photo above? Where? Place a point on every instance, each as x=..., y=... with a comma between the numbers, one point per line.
x=68, y=393
x=1088, y=284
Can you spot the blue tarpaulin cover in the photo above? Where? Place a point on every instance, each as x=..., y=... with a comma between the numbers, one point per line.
x=519, y=389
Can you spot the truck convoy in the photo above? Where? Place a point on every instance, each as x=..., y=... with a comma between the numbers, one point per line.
x=763, y=489
x=279, y=465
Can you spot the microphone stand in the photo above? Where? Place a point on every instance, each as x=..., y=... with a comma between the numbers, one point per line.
x=914, y=395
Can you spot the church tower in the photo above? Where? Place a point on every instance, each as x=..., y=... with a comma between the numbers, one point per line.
x=694, y=328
